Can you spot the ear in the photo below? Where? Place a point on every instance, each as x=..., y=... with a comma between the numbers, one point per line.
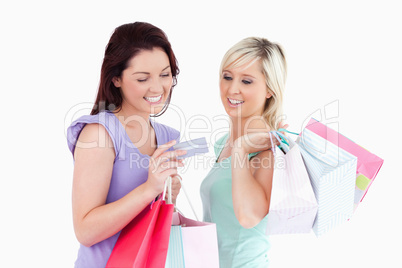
x=116, y=81
x=269, y=95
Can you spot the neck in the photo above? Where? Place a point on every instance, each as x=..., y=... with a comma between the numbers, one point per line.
x=133, y=119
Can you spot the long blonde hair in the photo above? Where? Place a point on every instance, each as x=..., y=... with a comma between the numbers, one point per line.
x=274, y=68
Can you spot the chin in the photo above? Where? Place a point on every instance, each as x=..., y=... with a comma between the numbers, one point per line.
x=157, y=109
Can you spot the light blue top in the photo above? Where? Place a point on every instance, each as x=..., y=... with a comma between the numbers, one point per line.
x=238, y=246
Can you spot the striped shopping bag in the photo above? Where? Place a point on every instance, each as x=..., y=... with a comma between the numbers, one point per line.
x=293, y=206
x=368, y=164
x=175, y=255
x=332, y=172
x=192, y=243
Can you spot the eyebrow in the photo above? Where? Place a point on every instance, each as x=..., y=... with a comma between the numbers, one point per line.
x=249, y=75
x=148, y=72
x=241, y=74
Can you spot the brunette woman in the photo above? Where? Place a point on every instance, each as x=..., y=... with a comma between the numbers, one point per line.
x=121, y=156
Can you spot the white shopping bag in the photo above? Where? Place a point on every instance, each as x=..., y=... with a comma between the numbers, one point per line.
x=332, y=172
x=293, y=205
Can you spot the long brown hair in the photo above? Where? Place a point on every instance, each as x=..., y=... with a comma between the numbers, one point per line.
x=126, y=42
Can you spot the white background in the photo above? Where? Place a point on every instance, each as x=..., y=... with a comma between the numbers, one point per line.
x=343, y=55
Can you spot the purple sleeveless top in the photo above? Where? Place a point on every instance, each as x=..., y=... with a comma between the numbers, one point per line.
x=130, y=169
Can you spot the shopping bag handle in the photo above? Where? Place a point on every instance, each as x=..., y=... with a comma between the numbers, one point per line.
x=168, y=187
x=275, y=134
x=287, y=131
x=168, y=184
x=313, y=152
x=282, y=139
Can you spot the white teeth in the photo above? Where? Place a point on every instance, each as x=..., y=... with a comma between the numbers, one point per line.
x=232, y=101
x=153, y=99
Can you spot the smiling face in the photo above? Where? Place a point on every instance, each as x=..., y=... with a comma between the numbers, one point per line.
x=146, y=83
x=243, y=90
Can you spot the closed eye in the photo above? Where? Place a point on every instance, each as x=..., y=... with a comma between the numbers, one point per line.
x=247, y=82
x=165, y=75
x=227, y=78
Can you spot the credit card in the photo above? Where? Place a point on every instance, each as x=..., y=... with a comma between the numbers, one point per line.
x=193, y=147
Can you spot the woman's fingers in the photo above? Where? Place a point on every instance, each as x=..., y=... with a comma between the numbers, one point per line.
x=284, y=126
x=164, y=160
x=160, y=155
x=168, y=172
x=176, y=186
x=162, y=148
x=175, y=189
x=171, y=155
x=167, y=165
x=176, y=182
x=164, y=163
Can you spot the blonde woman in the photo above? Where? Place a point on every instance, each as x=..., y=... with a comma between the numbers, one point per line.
x=236, y=192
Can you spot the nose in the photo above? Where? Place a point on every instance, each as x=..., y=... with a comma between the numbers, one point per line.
x=156, y=86
x=234, y=87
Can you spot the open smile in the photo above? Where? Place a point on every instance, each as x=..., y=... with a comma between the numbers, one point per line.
x=154, y=100
x=234, y=103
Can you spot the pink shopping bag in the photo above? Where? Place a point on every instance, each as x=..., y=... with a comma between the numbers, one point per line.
x=200, y=243
x=368, y=164
x=193, y=243
x=144, y=242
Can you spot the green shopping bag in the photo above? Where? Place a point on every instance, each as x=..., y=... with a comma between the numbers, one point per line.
x=175, y=255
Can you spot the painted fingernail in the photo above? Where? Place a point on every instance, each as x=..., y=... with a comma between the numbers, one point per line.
x=182, y=152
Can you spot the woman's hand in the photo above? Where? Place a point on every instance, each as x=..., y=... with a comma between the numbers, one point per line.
x=254, y=142
x=176, y=186
x=257, y=141
x=284, y=126
x=161, y=165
